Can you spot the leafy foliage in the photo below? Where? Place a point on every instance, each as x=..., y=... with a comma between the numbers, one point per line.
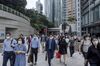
x=15, y=4
x=71, y=19
x=38, y=21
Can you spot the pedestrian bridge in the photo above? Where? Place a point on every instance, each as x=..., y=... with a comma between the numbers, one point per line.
x=14, y=22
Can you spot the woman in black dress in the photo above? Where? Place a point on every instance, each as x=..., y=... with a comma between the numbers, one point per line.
x=63, y=48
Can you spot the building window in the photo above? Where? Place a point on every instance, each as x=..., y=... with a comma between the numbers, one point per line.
x=78, y=5
x=91, y=16
x=78, y=19
x=83, y=20
x=99, y=11
x=86, y=18
x=79, y=29
x=78, y=9
x=78, y=24
x=78, y=14
x=96, y=14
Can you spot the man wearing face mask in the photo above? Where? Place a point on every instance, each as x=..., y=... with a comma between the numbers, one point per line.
x=35, y=45
x=8, y=50
x=50, y=48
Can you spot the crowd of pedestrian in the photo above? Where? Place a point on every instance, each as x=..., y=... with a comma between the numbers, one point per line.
x=16, y=50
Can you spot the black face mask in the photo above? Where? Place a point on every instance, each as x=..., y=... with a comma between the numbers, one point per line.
x=79, y=41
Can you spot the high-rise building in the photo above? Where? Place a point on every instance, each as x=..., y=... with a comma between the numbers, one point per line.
x=90, y=12
x=78, y=16
x=70, y=6
x=73, y=10
x=55, y=10
x=64, y=11
x=49, y=10
x=58, y=10
x=39, y=6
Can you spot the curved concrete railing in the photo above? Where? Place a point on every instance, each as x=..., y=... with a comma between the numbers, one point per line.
x=14, y=22
x=12, y=11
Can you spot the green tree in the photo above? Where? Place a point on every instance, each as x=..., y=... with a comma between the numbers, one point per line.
x=15, y=4
x=71, y=19
x=38, y=20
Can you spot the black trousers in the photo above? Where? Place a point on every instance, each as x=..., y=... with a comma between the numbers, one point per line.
x=93, y=64
x=34, y=52
x=50, y=55
x=8, y=55
x=71, y=50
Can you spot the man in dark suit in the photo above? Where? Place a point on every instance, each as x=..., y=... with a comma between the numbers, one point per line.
x=50, y=48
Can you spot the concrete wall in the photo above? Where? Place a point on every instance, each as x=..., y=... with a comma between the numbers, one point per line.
x=15, y=24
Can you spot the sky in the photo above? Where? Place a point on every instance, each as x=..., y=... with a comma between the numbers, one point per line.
x=32, y=3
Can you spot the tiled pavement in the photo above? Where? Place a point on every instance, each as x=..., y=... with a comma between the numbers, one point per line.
x=76, y=60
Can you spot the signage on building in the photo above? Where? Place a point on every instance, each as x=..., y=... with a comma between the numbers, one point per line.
x=2, y=34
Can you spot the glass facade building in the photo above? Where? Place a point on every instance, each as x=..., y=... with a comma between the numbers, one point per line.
x=55, y=10
x=90, y=12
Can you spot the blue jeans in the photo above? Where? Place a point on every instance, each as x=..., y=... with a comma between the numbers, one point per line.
x=8, y=56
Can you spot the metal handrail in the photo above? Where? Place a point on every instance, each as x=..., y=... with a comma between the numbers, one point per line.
x=13, y=11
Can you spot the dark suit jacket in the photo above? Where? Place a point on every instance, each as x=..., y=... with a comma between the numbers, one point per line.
x=50, y=52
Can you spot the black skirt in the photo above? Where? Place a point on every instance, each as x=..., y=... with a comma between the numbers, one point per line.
x=63, y=50
x=63, y=46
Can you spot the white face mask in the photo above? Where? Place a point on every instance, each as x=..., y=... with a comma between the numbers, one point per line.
x=51, y=37
x=8, y=37
x=67, y=40
x=96, y=42
x=87, y=38
x=19, y=42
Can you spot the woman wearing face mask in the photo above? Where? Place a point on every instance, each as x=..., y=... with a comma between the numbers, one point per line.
x=20, y=51
x=93, y=55
x=85, y=44
x=63, y=48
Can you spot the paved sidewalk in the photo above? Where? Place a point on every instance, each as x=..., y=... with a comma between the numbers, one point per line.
x=74, y=61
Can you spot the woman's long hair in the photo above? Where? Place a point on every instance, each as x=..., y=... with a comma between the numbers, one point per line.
x=21, y=40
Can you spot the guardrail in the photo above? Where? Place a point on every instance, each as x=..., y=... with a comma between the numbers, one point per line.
x=10, y=10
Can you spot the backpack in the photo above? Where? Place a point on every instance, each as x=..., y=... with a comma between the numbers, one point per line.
x=11, y=43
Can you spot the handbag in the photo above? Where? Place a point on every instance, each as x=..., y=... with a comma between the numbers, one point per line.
x=58, y=55
x=30, y=58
